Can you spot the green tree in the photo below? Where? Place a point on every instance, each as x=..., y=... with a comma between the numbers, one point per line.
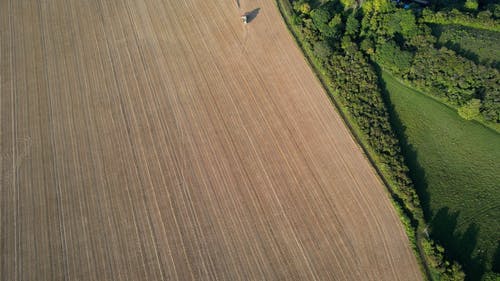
x=485, y=16
x=495, y=10
x=471, y=5
x=367, y=7
x=321, y=18
x=490, y=107
x=453, y=273
x=381, y=6
x=391, y=56
x=352, y=25
x=348, y=46
x=311, y=33
x=302, y=7
x=348, y=3
x=335, y=26
x=322, y=50
x=402, y=21
x=470, y=110
x=367, y=46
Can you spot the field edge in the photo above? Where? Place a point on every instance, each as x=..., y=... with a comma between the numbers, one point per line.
x=414, y=232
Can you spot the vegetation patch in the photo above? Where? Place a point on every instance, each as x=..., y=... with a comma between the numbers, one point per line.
x=482, y=20
x=455, y=166
x=408, y=50
x=479, y=45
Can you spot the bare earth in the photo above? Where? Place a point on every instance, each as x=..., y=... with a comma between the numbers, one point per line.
x=165, y=140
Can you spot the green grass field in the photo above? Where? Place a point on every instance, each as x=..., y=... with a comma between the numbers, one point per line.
x=479, y=45
x=456, y=164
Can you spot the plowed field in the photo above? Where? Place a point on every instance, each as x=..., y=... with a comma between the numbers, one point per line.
x=166, y=140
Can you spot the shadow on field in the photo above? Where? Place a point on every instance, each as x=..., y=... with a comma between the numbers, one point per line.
x=443, y=224
x=461, y=246
x=252, y=15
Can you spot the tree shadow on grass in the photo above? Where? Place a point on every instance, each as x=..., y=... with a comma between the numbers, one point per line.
x=417, y=172
x=460, y=246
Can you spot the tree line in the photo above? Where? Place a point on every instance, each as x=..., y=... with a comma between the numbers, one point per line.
x=345, y=41
x=341, y=41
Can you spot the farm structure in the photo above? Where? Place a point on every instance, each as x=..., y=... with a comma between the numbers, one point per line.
x=165, y=140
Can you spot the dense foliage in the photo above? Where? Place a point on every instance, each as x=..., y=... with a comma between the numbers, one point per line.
x=407, y=48
x=473, y=13
x=479, y=45
x=393, y=58
x=482, y=20
x=457, y=79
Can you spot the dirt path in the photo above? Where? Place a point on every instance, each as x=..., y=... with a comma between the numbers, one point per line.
x=165, y=140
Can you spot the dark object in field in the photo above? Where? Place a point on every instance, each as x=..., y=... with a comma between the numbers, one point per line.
x=248, y=17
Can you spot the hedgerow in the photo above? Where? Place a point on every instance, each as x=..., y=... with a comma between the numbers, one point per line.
x=347, y=72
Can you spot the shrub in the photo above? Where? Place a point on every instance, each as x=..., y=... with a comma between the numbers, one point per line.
x=352, y=25
x=491, y=276
x=470, y=110
x=471, y=5
x=322, y=50
x=392, y=57
x=302, y=7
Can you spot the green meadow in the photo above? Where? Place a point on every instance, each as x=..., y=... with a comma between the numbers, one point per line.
x=456, y=166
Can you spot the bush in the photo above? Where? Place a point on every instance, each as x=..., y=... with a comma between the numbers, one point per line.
x=470, y=110
x=403, y=22
x=302, y=7
x=491, y=276
x=471, y=5
x=367, y=46
x=352, y=25
x=322, y=50
x=392, y=57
